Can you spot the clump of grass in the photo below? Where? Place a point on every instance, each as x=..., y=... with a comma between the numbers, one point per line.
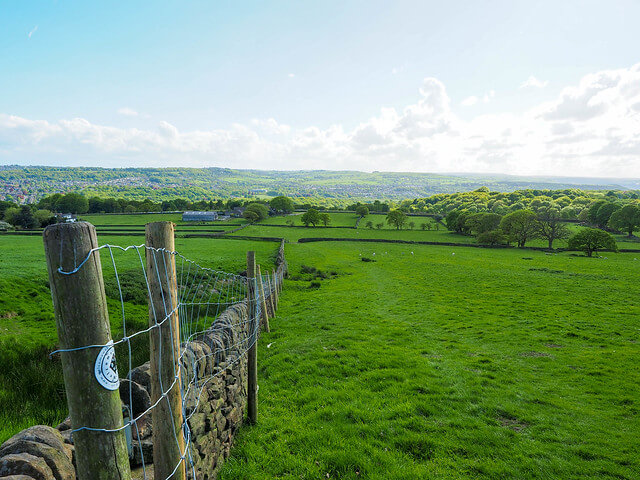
x=367, y=259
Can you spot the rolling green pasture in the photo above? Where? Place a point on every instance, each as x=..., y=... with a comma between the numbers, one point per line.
x=448, y=363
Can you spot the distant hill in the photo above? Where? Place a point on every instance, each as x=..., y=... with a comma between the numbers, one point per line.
x=31, y=183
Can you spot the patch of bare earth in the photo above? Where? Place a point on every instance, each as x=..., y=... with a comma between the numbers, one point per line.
x=514, y=424
x=535, y=354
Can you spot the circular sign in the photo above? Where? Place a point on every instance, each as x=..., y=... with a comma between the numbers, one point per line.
x=106, y=370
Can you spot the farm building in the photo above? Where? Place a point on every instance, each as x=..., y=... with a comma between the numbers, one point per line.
x=199, y=216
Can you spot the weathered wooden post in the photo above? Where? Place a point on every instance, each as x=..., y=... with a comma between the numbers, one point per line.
x=252, y=356
x=90, y=374
x=275, y=290
x=167, y=418
x=264, y=314
x=271, y=294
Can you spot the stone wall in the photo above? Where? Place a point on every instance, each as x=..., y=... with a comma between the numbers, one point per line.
x=215, y=411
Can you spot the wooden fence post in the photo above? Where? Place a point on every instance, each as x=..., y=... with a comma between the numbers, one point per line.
x=167, y=418
x=263, y=302
x=271, y=294
x=90, y=375
x=252, y=357
x=275, y=290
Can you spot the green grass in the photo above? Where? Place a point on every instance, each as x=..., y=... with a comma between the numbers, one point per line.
x=483, y=364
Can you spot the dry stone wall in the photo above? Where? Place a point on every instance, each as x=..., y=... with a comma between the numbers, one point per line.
x=215, y=412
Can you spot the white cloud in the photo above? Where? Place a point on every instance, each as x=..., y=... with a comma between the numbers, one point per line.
x=473, y=100
x=533, y=82
x=488, y=96
x=291, y=75
x=128, y=112
x=591, y=128
x=469, y=101
x=33, y=30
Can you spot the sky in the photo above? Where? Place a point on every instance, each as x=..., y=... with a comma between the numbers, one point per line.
x=517, y=87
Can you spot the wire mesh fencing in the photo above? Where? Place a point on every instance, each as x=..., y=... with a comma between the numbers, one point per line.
x=192, y=322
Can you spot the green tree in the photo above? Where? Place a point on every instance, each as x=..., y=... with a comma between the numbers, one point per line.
x=397, y=218
x=482, y=222
x=44, y=217
x=379, y=226
x=4, y=205
x=494, y=237
x=626, y=219
x=25, y=218
x=72, y=203
x=452, y=220
x=282, y=204
x=311, y=217
x=10, y=215
x=369, y=224
x=593, y=213
x=550, y=226
x=423, y=226
x=362, y=211
x=462, y=226
x=325, y=219
x=254, y=212
x=520, y=226
x=590, y=240
x=604, y=214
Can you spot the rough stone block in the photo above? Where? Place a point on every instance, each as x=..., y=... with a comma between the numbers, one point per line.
x=56, y=460
x=25, y=464
x=137, y=394
x=142, y=376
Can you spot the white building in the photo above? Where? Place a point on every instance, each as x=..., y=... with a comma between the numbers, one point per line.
x=199, y=216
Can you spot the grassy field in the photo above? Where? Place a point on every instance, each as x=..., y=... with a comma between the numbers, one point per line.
x=337, y=219
x=483, y=364
x=426, y=362
x=267, y=229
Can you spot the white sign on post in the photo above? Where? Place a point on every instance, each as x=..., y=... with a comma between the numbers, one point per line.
x=106, y=370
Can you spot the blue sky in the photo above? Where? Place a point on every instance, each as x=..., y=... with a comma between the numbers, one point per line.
x=337, y=85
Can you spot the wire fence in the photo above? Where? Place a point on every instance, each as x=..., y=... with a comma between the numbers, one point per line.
x=182, y=295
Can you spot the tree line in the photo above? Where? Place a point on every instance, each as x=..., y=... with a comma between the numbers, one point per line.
x=525, y=225
x=572, y=204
